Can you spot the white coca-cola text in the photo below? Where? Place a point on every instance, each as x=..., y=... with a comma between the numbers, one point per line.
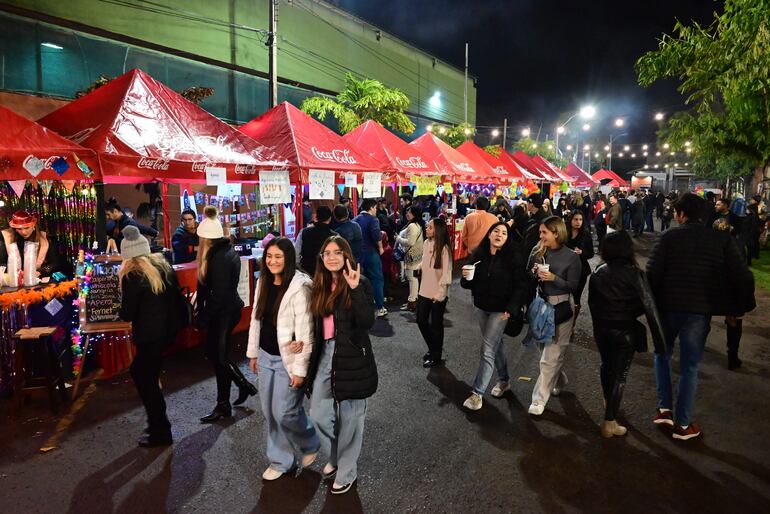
x=153, y=164
x=412, y=162
x=341, y=156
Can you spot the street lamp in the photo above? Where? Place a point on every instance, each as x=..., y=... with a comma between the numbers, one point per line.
x=665, y=146
x=586, y=112
x=525, y=132
x=468, y=132
x=644, y=147
x=613, y=138
x=619, y=122
x=442, y=130
x=659, y=116
x=569, y=148
x=429, y=128
x=495, y=133
x=626, y=148
x=560, y=129
x=586, y=126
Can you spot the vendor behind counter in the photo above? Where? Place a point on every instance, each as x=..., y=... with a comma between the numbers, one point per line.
x=23, y=230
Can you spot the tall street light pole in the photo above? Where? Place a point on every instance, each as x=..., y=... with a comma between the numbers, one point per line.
x=614, y=138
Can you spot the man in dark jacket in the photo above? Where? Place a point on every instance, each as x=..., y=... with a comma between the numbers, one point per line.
x=649, y=208
x=348, y=229
x=536, y=217
x=614, y=216
x=310, y=240
x=695, y=273
x=185, y=240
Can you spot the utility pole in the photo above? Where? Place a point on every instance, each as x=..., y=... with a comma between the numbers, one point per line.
x=465, y=92
x=505, y=131
x=272, y=42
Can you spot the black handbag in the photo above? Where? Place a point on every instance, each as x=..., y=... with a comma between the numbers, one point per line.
x=562, y=312
x=515, y=324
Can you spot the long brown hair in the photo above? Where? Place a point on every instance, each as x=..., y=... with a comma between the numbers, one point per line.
x=323, y=298
x=440, y=242
x=266, y=277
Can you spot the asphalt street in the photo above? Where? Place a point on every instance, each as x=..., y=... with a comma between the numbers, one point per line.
x=422, y=451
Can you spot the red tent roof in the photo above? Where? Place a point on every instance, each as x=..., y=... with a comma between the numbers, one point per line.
x=551, y=169
x=381, y=144
x=582, y=179
x=609, y=174
x=143, y=130
x=526, y=161
x=515, y=168
x=449, y=160
x=500, y=171
x=29, y=150
x=310, y=144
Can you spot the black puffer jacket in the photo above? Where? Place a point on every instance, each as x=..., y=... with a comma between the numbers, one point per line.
x=354, y=372
x=586, y=245
x=219, y=293
x=500, y=282
x=149, y=313
x=698, y=270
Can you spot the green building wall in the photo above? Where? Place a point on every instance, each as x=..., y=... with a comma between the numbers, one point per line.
x=317, y=45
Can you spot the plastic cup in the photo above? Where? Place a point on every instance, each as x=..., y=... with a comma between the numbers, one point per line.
x=471, y=269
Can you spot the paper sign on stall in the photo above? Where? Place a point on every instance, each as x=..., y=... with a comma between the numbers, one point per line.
x=243, y=282
x=229, y=190
x=321, y=184
x=274, y=187
x=372, y=185
x=448, y=187
x=215, y=176
x=425, y=185
x=351, y=180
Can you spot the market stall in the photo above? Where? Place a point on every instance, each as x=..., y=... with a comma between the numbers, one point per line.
x=493, y=167
x=321, y=157
x=604, y=174
x=582, y=179
x=47, y=189
x=143, y=131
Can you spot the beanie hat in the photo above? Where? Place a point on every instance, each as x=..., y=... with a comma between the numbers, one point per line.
x=134, y=244
x=210, y=227
x=536, y=200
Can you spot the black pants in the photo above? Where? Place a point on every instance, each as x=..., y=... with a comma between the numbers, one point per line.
x=430, y=319
x=145, y=371
x=218, y=343
x=581, y=286
x=616, y=348
x=665, y=223
x=734, y=337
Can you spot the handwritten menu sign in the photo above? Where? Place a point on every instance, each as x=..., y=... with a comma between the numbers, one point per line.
x=103, y=301
x=274, y=187
x=321, y=184
x=372, y=185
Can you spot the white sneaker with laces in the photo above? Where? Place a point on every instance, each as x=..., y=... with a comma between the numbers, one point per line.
x=271, y=474
x=382, y=312
x=473, y=402
x=500, y=388
x=536, y=409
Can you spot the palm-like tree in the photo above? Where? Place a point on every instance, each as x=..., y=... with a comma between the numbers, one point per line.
x=362, y=100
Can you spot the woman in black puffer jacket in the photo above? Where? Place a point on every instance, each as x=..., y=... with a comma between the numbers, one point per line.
x=617, y=295
x=342, y=372
x=219, y=310
x=500, y=288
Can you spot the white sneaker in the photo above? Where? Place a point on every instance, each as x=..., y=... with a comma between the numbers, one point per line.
x=271, y=474
x=308, y=459
x=500, y=388
x=536, y=409
x=473, y=402
x=382, y=312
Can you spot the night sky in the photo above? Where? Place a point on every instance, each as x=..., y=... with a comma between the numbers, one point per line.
x=538, y=61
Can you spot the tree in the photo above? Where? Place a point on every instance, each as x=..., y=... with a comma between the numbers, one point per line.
x=493, y=150
x=724, y=70
x=546, y=149
x=453, y=136
x=363, y=100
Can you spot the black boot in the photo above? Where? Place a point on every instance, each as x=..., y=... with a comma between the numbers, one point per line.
x=222, y=410
x=244, y=392
x=734, y=334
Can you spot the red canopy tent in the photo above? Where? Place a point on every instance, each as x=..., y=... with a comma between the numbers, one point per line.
x=500, y=171
x=515, y=168
x=450, y=161
x=381, y=144
x=552, y=169
x=30, y=151
x=527, y=163
x=582, y=179
x=308, y=144
x=603, y=174
x=143, y=130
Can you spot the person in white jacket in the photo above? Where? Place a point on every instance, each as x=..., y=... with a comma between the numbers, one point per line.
x=411, y=239
x=279, y=348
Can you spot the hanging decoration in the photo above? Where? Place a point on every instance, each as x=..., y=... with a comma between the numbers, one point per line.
x=84, y=272
x=17, y=186
x=34, y=296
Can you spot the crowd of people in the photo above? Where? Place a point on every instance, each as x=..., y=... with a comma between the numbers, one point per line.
x=316, y=299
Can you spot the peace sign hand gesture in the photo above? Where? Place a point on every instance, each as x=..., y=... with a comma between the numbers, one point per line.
x=352, y=276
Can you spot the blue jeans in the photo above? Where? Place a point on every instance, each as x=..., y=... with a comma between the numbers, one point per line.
x=492, y=354
x=371, y=267
x=692, y=331
x=289, y=432
x=340, y=425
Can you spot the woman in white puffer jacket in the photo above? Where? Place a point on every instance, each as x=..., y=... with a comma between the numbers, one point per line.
x=279, y=348
x=411, y=239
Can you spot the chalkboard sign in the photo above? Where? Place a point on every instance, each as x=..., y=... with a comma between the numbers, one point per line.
x=103, y=301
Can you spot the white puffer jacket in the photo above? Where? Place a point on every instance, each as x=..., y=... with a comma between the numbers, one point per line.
x=294, y=323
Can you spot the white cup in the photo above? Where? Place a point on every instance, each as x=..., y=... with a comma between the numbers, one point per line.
x=545, y=267
x=471, y=269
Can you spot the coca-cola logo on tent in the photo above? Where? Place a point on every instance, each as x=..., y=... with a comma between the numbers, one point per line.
x=500, y=170
x=336, y=155
x=464, y=166
x=153, y=164
x=413, y=162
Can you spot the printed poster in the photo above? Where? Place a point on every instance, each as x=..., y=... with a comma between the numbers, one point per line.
x=351, y=180
x=425, y=185
x=321, y=184
x=215, y=175
x=274, y=187
x=243, y=282
x=372, y=185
